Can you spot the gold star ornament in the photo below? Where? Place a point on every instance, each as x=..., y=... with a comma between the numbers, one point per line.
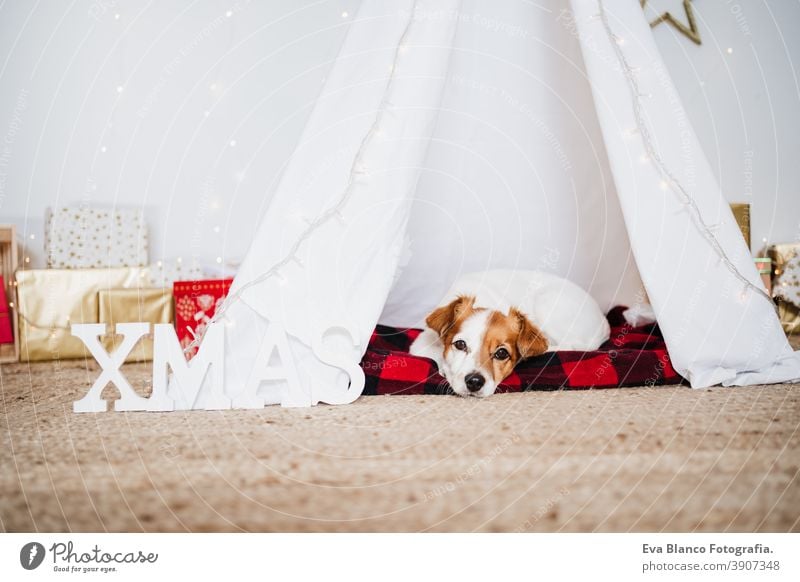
x=689, y=29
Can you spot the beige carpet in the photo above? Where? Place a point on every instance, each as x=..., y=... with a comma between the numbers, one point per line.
x=647, y=459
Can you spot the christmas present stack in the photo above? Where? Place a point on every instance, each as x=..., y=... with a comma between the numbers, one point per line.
x=97, y=274
x=195, y=305
x=51, y=300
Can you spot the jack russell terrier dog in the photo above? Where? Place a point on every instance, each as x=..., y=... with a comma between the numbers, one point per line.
x=490, y=321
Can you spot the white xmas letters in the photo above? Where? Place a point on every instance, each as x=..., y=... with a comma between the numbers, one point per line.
x=197, y=384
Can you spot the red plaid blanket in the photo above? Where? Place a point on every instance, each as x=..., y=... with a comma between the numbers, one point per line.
x=633, y=356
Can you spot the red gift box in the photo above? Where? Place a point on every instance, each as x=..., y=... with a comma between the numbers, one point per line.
x=6, y=335
x=195, y=305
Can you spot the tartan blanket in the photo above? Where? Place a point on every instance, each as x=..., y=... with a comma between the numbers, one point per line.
x=633, y=356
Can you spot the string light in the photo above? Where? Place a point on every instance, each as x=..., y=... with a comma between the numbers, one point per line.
x=216, y=229
x=344, y=14
x=219, y=260
x=120, y=88
x=669, y=177
x=229, y=13
x=233, y=143
x=103, y=149
x=730, y=50
x=33, y=236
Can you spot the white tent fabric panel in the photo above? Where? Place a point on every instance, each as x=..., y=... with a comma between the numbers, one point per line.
x=325, y=255
x=716, y=329
x=459, y=136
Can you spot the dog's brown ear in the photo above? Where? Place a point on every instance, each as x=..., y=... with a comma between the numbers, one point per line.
x=530, y=340
x=441, y=320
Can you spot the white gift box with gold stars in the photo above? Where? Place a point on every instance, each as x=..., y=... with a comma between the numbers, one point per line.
x=81, y=237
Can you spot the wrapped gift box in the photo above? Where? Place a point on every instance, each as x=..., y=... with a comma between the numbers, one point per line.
x=86, y=237
x=6, y=331
x=741, y=212
x=9, y=352
x=786, y=283
x=153, y=305
x=195, y=305
x=166, y=272
x=51, y=300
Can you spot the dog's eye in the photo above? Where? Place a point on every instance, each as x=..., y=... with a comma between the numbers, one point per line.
x=502, y=354
x=460, y=345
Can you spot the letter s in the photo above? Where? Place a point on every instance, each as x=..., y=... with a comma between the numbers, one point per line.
x=343, y=360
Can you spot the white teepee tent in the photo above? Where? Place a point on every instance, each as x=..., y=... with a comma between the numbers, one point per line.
x=455, y=136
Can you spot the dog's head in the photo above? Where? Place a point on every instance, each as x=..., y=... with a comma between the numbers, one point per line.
x=482, y=346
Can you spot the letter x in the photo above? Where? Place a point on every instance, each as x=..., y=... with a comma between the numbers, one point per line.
x=129, y=400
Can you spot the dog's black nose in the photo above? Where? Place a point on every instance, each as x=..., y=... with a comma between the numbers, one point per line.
x=474, y=381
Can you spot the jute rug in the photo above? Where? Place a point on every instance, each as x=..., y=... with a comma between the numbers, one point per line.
x=633, y=459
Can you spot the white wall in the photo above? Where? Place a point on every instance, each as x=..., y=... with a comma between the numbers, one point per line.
x=744, y=104
x=130, y=103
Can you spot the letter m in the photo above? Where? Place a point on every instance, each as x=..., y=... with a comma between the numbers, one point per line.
x=189, y=386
